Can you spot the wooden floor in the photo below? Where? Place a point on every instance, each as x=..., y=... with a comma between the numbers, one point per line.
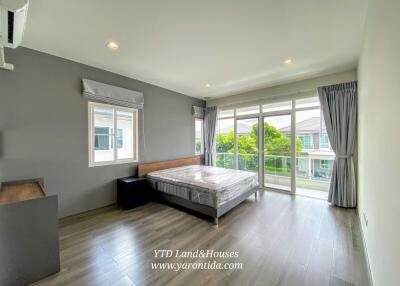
x=281, y=240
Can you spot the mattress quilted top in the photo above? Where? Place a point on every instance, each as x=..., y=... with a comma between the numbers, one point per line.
x=213, y=178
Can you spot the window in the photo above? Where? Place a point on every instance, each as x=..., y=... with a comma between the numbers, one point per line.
x=225, y=113
x=324, y=164
x=103, y=139
x=324, y=141
x=198, y=130
x=109, y=147
x=277, y=106
x=306, y=140
x=248, y=110
x=225, y=141
x=307, y=102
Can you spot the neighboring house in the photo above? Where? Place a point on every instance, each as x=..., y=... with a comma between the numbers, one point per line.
x=316, y=159
x=104, y=135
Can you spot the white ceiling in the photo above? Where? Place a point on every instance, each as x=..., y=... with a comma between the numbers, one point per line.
x=184, y=44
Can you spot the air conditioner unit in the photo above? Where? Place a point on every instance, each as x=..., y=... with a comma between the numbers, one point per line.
x=12, y=22
x=13, y=15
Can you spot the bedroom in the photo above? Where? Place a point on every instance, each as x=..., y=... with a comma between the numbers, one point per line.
x=131, y=153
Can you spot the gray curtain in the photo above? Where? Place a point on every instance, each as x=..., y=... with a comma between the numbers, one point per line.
x=210, y=121
x=339, y=107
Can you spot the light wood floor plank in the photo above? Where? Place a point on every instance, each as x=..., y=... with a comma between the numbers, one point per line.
x=281, y=239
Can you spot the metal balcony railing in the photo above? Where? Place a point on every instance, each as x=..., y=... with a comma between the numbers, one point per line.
x=278, y=165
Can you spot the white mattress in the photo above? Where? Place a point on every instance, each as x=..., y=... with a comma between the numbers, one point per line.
x=211, y=186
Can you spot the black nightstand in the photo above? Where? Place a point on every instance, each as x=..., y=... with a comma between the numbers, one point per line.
x=132, y=192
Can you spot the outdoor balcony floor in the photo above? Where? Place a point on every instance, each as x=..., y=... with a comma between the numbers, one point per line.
x=312, y=193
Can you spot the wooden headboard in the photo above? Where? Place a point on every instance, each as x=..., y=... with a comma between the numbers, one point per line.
x=146, y=168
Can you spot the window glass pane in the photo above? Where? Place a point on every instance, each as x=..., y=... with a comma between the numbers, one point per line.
x=325, y=164
x=277, y=106
x=101, y=138
x=314, y=158
x=225, y=143
x=103, y=124
x=199, y=136
x=247, y=144
x=324, y=141
x=277, y=152
x=248, y=110
x=307, y=102
x=125, y=137
x=119, y=139
x=306, y=141
x=225, y=113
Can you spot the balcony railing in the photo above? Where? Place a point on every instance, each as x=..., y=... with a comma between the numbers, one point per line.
x=225, y=160
x=276, y=165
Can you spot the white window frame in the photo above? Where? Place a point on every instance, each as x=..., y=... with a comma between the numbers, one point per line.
x=91, y=132
x=292, y=110
x=202, y=136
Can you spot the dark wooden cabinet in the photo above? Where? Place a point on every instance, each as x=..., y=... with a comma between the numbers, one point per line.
x=132, y=192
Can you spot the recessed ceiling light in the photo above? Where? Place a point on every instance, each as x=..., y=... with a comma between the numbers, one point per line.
x=288, y=61
x=208, y=85
x=112, y=45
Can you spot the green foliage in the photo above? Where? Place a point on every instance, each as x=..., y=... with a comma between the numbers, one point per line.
x=225, y=142
x=276, y=143
x=198, y=145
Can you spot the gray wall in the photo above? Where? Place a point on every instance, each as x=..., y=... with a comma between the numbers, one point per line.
x=44, y=133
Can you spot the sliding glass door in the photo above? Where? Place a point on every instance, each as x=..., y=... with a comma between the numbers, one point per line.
x=225, y=145
x=291, y=152
x=247, y=144
x=314, y=161
x=277, y=152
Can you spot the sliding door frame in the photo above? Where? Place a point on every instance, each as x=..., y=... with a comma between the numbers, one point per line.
x=261, y=115
x=293, y=139
x=289, y=112
x=257, y=116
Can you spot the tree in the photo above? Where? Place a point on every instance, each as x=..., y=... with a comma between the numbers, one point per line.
x=246, y=144
x=276, y=143
x=225, y=142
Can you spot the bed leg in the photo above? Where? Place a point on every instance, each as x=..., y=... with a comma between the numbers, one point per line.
x=216, y=221
x=255, y=195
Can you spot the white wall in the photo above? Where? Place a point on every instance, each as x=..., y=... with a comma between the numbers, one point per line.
x=379, y=140
x=307, y=87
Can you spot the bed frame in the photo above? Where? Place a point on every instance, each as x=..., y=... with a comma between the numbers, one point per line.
x=215, y=213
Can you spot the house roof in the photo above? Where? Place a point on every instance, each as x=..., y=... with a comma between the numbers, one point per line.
x=310, y=125
x=242, y=128
x=313, y=124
